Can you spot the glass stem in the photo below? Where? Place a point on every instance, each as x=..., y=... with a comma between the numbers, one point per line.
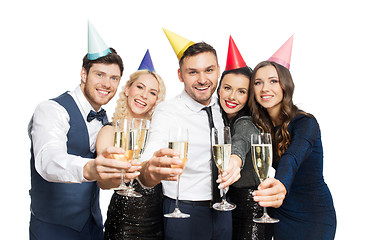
x=224, y=195
x=122, y=178
x=265, y=212
x=177, y=194
x=131, y=184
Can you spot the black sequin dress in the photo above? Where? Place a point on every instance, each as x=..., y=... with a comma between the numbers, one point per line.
x=135, y=218
x=246, y=209
x=240, y=192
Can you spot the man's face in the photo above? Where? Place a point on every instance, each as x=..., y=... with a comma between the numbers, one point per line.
x=100, y=84
x=200, y=75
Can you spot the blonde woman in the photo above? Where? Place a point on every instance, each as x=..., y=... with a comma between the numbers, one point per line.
x=127, y=217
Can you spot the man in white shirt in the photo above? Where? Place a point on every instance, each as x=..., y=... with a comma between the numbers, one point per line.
x=199, y=71
x=64, y=167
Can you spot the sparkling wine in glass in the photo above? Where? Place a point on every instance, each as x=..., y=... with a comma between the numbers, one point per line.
x=262, y=157
x=123, y=139
x=178, y=140
x=221, y=146
x=139, y=130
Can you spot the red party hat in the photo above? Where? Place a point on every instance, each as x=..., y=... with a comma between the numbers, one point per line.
x=234, y=58
x=283, y=54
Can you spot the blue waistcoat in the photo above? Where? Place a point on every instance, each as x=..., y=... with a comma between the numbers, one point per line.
x=68, y=204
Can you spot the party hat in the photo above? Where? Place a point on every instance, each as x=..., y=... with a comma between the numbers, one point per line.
x=96, y=46
x=146, y=62
x=234, y=58
x=178, y=43
x=283, y=54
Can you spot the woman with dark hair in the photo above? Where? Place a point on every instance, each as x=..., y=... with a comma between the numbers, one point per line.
x=233, y=95
x=301, y=198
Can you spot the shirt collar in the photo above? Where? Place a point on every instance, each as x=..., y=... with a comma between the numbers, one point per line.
x=193, y=104
x=83, y=102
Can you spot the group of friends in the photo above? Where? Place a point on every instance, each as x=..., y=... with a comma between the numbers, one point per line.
x=73, y=147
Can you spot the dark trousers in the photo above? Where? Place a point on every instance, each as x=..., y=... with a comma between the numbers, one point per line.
x=46, y=231
x=205, y=223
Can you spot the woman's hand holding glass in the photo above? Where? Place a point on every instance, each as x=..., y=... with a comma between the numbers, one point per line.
x=231, y=174
x=270, y=193
x=124, y=139
x=221, y=148
x=138, y=135
x=262, y=158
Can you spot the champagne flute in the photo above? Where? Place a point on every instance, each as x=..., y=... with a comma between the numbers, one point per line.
x=178, y=140
x=123, y=139
x=262, y=157
x=139, y=130
x=221, y=146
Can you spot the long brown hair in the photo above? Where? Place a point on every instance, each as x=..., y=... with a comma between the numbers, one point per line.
x=289, y=110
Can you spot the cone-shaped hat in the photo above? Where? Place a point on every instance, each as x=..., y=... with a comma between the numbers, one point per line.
x=283, y=54
x=96, y=46
x=178, y=43
x=146, y=62
x=234, y=58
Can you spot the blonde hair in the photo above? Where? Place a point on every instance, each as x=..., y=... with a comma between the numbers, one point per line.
x=121, y=110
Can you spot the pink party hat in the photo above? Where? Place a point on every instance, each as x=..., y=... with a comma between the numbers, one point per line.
x=283, y=54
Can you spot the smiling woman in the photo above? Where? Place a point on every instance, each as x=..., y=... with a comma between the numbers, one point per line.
x=233, y=94
x=141, y=94
x=268, y=91
x=133, y=217
x=297, y=157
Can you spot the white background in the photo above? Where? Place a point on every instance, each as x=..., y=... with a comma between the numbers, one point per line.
x=43, y=42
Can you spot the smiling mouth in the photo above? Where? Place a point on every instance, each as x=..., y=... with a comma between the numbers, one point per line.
x=140, y=103
x=266, y=97
x=103, y=92
x=231, y=104
x=202, y=89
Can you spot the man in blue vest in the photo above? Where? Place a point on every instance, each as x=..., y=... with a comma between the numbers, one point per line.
x=64, y=166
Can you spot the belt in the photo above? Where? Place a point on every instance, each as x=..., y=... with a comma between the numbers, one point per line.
x=206, y=203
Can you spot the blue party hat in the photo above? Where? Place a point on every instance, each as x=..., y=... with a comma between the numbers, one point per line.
x=96, y=46
x=146, y=62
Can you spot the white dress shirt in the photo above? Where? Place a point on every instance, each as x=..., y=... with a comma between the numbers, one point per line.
x=195, y=182
x=48, y=130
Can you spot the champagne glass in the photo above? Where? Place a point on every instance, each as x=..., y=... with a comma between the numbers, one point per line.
x=262, y=157
x=139, y=131
x=178, y=140
x=123, y=139
x=221, y=146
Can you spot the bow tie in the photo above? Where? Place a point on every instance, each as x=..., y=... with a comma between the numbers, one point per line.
x=101, y=116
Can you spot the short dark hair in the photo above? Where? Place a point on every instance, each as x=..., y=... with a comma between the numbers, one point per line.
x=111, y=58
x=197, y=48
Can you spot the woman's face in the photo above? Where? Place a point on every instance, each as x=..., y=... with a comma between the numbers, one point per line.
x=233, y=93
x=268, y=90
x=142, y=95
